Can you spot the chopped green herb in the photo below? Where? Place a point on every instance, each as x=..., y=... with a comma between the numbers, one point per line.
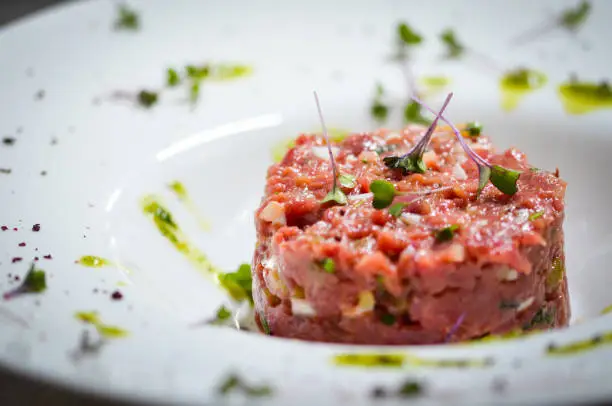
x=335, y=195
x=474, y=128
x=194, y=92
x=409, y=389
x=172, y=78
x=239, y=283
x=8, y=141
x=454, y=48
x=407, y=35
x=384, y=193
x=378, y=109
x=536, y=215
x=347, y=180
x=127, y=19
x=147, y=98
x=223, y=314
x=179, y=189
x=522, y=79
x=35, y=281
x=388, y=319
x=328, y=265
x=197, y=72
x=412, y=114
x=543, y=317
x=264, y=324
x=574, y=17
x=446, y=233
x=504, y=179
x=556, y=273
x=396, y=209
x=233, y=382
x=6, y=171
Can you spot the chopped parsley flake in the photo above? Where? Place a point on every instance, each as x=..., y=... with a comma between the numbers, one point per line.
x=239, y=283
x=407, y=35
x=574, y=17
x=172, y=78
x=147, y=98
x=473, y=128
x=328, y=265
x=35, y=281
x=446, y=234
x=454, y=48
x=8, y=141
x=127, y=19
x=536, y=215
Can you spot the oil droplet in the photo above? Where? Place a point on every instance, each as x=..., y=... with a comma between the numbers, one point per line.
x=584, y=97
x=92, y=261
x=517, y=84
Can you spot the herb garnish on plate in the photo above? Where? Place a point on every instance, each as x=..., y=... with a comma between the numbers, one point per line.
x=127, y=19
x=35, y=281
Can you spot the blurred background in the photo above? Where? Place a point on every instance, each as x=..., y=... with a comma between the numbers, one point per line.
x=12, y=9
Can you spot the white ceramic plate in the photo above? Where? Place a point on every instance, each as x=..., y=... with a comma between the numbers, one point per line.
x=110, y=154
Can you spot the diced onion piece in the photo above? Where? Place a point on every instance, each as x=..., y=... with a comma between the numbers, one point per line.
x=323, y=153
x=507, y=274
x=455, y=253
x=459, y=172
x=430, y=158
x=393, y=136
x=411, y=218
x=301, y=307
x=525, y=304
x=368, y=157
x=274, y=212
x=365, y=304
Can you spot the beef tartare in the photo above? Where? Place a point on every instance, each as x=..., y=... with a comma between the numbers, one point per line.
x=450, y=263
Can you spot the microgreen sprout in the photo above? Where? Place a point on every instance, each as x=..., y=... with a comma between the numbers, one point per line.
x=412, y=161
x=570, y=19
x=454, y=328
x=384, y=192
x=34, y=282
x=502, y=178
x=473, y=128
x=336, y=194
x=454, y=48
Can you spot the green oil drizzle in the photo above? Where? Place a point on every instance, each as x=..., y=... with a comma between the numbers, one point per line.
x=515, y=85
x=434, y=84
x=105, y=330
x=585, y=97
x=396, y=360
x=580, y=346
x=181, y=193
x=168, y=228
x=224, y=72
x=92, y=261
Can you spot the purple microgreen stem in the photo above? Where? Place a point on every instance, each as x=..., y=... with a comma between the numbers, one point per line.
x=455, y=327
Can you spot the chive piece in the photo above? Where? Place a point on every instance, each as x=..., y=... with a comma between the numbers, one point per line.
x=388, y=319
x=396, y=209
x=328, y=265
x=172, y=77
x=412, y=114
x=409, y=389
x=264, y=325
x=474, y=128
x=454, y=48
x=446, y=233
x=347, y=180
x=412, y=161
x=335, y=195
x=536, y=215
x=127, y=19
x=147, y=98
x=239, y=283
x=407, y=35
x=384, y=192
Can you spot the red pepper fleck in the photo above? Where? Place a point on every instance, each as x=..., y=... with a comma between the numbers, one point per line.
x=117, y=295
x=36, y=227
x=17, y=259
x=4, y=228
x=16, y=277
x=15, y=229
x=22, y=244
x=35, y=258
x=48, y=256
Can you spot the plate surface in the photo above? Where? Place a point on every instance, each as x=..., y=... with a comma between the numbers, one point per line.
x=101, y=156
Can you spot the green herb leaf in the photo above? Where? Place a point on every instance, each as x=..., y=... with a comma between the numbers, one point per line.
x=574, y=17
x=335, y=195
x=127, y=19
x=194, y=92
x=542, y=318
x=172, y=78
x=328, y=265
x=147, y=98
x=504, y=179
x=536, y=215
x=223, y=313
x=384, y=192
x=454, y=48
x=407, y=35
x=396, y=209
x=387, y=319
x=239, y=283
x=347, y=180
x=446, y=233
x=484, y=174
x=408, y=164
x=409, y=389
x=197, y=72
x=35, y=280
x=474, y=128
x=412, y=114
